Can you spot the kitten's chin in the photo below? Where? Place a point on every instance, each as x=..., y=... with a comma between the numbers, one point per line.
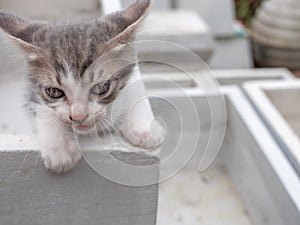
x=84, y=129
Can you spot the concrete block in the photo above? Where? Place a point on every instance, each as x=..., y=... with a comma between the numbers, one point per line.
x=257, y=160
x=157, y=4
x=231, y=53
x=275, y=102
x=251, y=177
x=240, y=76
x=179, y=27
x=31, y=195
x=219, y=14
x=220, y=19
x=208, y=78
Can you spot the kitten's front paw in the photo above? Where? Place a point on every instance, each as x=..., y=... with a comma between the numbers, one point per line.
x=60, y=159
x=144, y=136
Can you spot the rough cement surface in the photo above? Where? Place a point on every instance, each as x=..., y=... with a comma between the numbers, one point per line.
x=31, y=195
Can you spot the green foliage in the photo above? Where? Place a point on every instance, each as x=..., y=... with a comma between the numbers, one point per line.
x=245, y=10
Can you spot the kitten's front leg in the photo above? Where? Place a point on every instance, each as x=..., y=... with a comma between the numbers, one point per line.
x=58, y=146
x=141, y=128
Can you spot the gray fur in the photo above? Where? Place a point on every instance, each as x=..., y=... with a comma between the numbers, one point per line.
x=50, y=47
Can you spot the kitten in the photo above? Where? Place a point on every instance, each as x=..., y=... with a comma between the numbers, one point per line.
x=77, y=71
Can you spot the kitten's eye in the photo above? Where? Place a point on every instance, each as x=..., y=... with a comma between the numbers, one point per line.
x=55, y=93
x=101, y=88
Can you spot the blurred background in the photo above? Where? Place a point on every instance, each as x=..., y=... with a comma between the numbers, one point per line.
x=227, y=34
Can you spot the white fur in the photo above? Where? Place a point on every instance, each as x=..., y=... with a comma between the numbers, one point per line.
x=140, y=128
x=58, y=145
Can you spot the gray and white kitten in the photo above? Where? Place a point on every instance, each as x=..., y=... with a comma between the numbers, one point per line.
x=77, y=70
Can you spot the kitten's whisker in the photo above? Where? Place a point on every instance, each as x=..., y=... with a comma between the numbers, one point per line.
x=108, y=121
x=37, y=160
x=24, y=160
x=105, y=129
x=108, y=125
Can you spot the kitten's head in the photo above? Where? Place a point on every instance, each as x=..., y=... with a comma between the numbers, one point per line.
x=78, y=69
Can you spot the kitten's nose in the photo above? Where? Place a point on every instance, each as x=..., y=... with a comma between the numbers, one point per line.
x=80, y=118
x=78, y=112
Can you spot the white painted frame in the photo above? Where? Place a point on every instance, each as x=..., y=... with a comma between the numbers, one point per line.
x=272, y=162
x=223, y=77
x=266, y=181
x=279, y=127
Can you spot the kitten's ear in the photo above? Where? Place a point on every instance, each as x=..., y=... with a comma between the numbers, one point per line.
x=19, y=30
x=128, y=20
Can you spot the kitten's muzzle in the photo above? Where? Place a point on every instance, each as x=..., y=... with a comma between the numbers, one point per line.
x=79, y=119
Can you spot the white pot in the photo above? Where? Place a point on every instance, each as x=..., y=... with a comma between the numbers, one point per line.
x=279, y=22
x=276, y=30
